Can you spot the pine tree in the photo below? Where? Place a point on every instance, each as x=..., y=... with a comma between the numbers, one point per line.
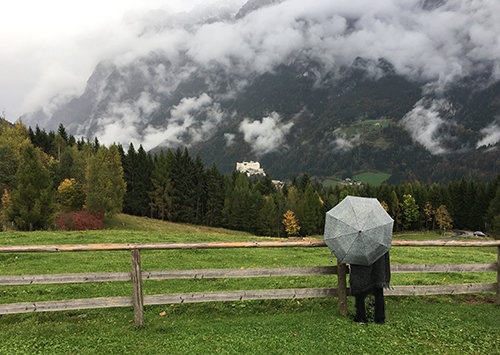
x=409, y=211
x=395, y=210
x=145, y=168
x=214, y=197
x=237, y=205
x=200, y=191
x=161, y=194
x=33, y=201
x=311, y=215
x=494, y=211
x=105, y=184
x=267, y=217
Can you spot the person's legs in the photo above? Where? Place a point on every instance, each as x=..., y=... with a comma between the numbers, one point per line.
x=379, y=305
x=360, y=308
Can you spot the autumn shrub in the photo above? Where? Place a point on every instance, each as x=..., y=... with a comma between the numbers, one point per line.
x=79, y=220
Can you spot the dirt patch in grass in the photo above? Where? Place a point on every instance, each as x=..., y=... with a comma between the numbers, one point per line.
x=475, y=299
x=465, y=299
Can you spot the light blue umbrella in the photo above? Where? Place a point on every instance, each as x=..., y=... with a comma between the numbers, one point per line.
x=358, y=230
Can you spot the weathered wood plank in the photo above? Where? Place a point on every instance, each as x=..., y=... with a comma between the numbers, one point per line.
x=137, y=297
x=166, y=274
x=50, y=306
x=440, y=289
x=228, y=273
x=224, y=245
x=239, y=295
x=342, y=288
x=498, y=276
x=238, y=273
x=418, y=268
x=64, y=278
x=446, y=243
x=160, y=246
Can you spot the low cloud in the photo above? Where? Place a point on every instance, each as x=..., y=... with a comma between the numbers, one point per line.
x=343, y=143
x=265, y=136
x=229, y=138
x=123, y=121
x=193, y=120
x=491, y=134
x=423, y=123
x=434, y=46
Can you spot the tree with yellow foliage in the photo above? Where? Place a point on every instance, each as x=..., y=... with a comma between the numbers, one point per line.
x=70, y=195
x=443, y=218
x=291, y=223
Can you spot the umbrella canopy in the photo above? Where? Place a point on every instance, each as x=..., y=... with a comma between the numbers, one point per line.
x=358, y=230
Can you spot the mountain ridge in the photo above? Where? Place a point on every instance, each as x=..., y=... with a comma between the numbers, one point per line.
x=300, y=110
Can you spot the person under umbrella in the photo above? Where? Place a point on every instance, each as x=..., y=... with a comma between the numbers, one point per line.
x=359, y=232
x=364, y=280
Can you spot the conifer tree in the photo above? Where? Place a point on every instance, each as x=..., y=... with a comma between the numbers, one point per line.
x=145, y=168
x=395, y=210
x=214, y=197
x=266, y=217
x=409, y=211
x=33, y=201
x=237, y=205
x=311, y=213
x=161, y=194
x=105, y=184
x=200, y=191
x=494, y=211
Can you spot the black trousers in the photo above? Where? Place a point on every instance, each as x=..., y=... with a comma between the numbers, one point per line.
x=379, y=306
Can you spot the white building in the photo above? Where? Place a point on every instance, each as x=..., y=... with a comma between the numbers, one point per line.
x=250, y=168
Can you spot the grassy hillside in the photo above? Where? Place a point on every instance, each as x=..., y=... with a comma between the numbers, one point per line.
x=451, y=324
x=372, y=178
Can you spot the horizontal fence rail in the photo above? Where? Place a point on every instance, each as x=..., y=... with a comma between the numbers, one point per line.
x=138, y=300
x=226, y=245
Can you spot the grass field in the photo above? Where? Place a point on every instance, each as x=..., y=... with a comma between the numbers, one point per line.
x=371, y=178
x=415, y=325
x=365, y=126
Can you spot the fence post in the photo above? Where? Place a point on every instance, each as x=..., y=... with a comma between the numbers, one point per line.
x=498, y=275
x=342, y=288
x=137, y=298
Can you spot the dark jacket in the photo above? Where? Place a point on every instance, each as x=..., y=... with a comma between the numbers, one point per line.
x=363, y=279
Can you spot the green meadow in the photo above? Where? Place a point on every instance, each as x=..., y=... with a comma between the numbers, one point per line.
x=466, y=324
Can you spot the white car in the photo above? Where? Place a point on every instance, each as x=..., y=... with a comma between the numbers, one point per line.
x=479, y=234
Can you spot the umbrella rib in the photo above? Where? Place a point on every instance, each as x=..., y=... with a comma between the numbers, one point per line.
x=350, y=247
x=355, y=215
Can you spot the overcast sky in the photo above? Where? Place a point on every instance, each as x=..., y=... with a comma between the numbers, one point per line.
x=50, y=48
x=57, y=43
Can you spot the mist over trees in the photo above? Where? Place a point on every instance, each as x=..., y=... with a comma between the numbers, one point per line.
x=52, y=174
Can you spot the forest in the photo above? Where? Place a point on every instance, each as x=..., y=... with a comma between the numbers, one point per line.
x=50, y=180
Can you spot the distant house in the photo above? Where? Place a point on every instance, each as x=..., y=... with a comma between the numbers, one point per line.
x=351, y=182
x=278, y=184
x=250, y=168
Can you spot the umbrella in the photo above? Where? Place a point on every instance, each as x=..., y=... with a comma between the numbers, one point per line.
x=358, y=230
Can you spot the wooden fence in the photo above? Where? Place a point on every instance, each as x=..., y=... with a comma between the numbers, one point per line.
x=138, y=300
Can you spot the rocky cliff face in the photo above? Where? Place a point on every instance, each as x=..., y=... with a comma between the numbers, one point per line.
x=304, y=89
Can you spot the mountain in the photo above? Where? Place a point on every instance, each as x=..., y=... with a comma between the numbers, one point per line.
x=305, y=88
